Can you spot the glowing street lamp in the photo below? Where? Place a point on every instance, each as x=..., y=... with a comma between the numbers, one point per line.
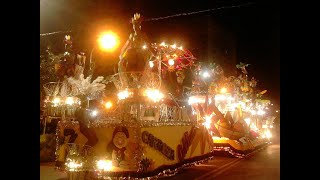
x=108, y=41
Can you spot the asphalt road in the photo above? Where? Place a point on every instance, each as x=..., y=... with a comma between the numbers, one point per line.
x=262, y=165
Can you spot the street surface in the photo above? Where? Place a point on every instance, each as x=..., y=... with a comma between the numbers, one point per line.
x=262, y=165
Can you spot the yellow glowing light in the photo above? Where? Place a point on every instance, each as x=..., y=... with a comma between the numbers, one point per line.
x=264, y=126
x=163, y=44
x=72, y=165
x=223, y=90
x=219, y=138
x=69, y=101
x=151, y=64
x=215, y=138
x=174, y=46
x=196, y=100
x=144, y=47
x=171, y=62
x=180, y=48
x=123, y=94
x=56, y=100
x=108, y=105
x=268, y=134
x=154, y=94
x=207, y=122
x=104, y=165
x=108, y=41
x=277, y=111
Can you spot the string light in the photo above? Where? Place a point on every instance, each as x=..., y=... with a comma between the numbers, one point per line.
x=144, y=47
x=170, y=16
x=171, y=62
x=57, y=32
x=151, y=64
x=197, y=12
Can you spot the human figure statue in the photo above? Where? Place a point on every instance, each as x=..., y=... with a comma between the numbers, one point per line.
x=133, y=56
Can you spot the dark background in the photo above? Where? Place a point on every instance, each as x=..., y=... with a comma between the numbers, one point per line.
x=249, y=34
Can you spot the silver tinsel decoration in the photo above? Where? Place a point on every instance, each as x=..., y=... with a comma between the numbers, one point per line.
x=236, y=154
x=164, y=173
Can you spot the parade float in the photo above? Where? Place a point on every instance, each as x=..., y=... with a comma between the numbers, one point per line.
x=232, y=109
x=137, y=129
x=145, y=121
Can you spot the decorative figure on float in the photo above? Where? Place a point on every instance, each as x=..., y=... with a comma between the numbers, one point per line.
x=117, y=147
x=133, y=57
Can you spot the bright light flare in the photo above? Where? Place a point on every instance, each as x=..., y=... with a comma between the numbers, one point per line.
x=108, y=105
x=151, y=64
x=219, y=138
x=108, y=41
x=223, y=90
x=154, y=94
x=261, y=112
x=247, y=120
x=123, y=94
x=73, y=166
x=104, y=165
x=174, y=46
x=253, y=112
x=171, y=62
x=205, y=74
x=268, y=134
x=69, y=101
x=94, y=113
x=180, y=48
x=163, y=44
x=207, y=122
x=196, y=100
x=56, y=101
x=220, y=97
x=144, y=47
x=242, y=104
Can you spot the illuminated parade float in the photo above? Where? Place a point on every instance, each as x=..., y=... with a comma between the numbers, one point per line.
x=232, y=110
x=143, y=121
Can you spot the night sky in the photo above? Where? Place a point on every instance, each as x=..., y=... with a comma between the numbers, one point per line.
x=249, y=34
